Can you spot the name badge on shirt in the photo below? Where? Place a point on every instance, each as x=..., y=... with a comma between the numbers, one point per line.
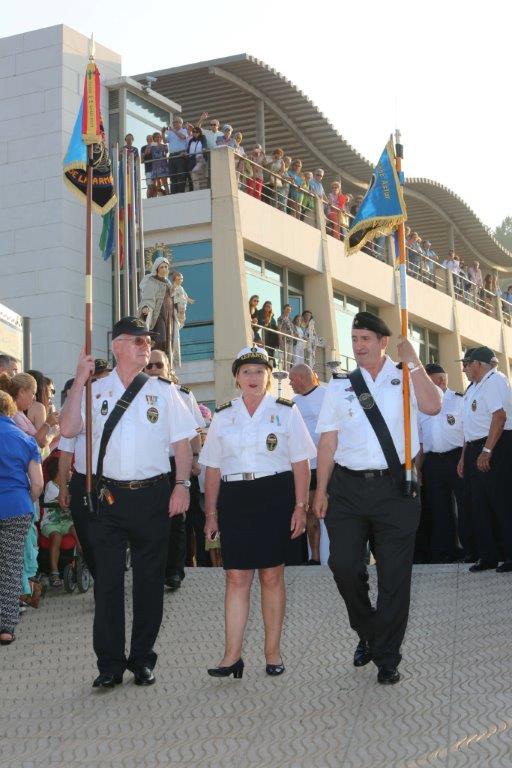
x=271, y=442
x=450, y=419
x=104, y=408
x=152, y=414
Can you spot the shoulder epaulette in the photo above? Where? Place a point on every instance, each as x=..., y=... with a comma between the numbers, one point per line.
x=223, y=406
x=167, y=381
x=339, y=375
x=285, y=401
x=459, y=394
x=184, y=389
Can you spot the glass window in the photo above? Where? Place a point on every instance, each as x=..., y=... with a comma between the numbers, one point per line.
x=371, y=308
x=198, y=283
x=296, y=281
x=418, y=341
x=273, y=273
x=196, y=342
x=344, y=329
x=266, y=290
x=254, y=264
x=145, y=110
x=191, y=251
x=113, y=130
x=433, y=347
x=296, y=303
x=140, y=130
x=353, y=305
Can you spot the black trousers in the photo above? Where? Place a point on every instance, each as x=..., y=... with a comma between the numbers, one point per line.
x=360, y=509
x=177, y=542
x=490, y=496
x=138, y=517
x=82, y=519
x=178, y=172
x=441, y=486
x=195, y=528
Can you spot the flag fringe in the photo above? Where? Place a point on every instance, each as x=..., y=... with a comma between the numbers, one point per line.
x=81, y=195
x=380, y=226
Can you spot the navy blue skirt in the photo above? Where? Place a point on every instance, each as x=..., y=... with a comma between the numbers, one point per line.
x=254, y=521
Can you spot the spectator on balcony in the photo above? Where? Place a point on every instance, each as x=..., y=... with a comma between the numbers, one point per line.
x=145, y=156
x=285, y=190
x=253, y=314
x=507, y=296
x=415, y=253
x=213, y=132
x=310, y=337
x=277, y=170
x=299, y=345
x=178, y=139
x=196, y=151
x=160, y=165
x=128, y=146
x=358, y=199
x=286, y=325
x=453, y=264
x=429, y=260
x=296, y=195
x=336, y=213
x=255, y=182
x=267, y=320
x=8, y=365
x=240, y=162
x=226, y=139
x=475, y=274
x=308, y=199
x=315, y=184
x=491, y=289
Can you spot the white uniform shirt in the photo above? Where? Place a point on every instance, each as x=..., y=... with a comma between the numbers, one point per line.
x=443, y=432
x=75, y=445
x=211, y=137
x=483, y=399
x=139, y=445
x=309, y=406
x=358, y=447
x=190, y=401
x=269, y=441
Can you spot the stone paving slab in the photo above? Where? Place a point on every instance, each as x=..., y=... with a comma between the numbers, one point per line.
x=453, y=707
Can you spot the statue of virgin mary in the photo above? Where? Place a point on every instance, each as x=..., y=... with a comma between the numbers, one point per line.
x=158, y=310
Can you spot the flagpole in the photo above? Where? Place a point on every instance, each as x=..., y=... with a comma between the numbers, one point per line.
x=117, y=255
x=133, y=239
x=140, y=221
x=404, y=321
x=126, y=238
x=88, y=327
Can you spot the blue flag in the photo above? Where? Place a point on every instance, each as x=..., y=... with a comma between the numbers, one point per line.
x=383, y=207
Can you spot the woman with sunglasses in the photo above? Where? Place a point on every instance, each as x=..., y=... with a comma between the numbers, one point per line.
x=196, y=150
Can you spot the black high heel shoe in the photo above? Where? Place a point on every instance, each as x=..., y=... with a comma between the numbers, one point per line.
x=274, y=670
x=236, y=669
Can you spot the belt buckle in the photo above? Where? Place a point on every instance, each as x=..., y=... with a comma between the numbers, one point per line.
x=134, y=484
x=369, y=475
x=248, y=475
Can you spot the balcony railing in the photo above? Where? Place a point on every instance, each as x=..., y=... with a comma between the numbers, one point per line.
x=427, y=270
x=287, y=350
x=176, y=174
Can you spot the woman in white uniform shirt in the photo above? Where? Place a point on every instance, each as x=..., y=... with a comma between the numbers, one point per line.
x=257, y=476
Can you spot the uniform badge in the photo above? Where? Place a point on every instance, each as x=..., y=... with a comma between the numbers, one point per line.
x=104, y=408
x=151, y=399
x=450, y=419
x=271, y=442
x=395, y=381
x=152, y=414
x=349, y=389
x=98, y=395
x=473, y=405
x=366, y=401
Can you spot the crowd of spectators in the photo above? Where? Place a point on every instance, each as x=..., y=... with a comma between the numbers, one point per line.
x=288, y=341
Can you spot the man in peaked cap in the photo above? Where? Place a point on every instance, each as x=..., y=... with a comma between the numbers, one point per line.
x=360, y=463
x=135, y=418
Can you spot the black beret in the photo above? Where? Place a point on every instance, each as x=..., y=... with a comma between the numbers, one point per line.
x=132, y=326
x=434, y=368
x=370, y=322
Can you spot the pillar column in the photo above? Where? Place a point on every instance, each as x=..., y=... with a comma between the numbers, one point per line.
x=260, y=123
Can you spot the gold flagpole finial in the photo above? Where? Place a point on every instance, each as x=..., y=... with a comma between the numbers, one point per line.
x=92, y=48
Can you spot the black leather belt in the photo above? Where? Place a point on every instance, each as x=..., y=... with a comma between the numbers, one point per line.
x=133, y=485
x=479, y=441
x=443, y=453
x=366, y=474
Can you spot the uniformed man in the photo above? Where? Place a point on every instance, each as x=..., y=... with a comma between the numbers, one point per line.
x=134, y=499
x=72, y=495
x=441, y=439
x=309, y=396
x=366, y=495
x=486, y=460
x=177, y=550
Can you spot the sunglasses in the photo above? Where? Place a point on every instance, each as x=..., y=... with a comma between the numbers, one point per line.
x=149, y=366
x=139, y=341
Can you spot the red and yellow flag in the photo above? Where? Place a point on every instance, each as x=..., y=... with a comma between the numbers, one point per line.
x=92, y=128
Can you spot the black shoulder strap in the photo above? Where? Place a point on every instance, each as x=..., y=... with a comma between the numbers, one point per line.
x=378, y=424
x=115, y=417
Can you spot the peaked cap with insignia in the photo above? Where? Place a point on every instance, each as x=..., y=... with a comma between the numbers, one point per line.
x=254, y=354
x=131, y=326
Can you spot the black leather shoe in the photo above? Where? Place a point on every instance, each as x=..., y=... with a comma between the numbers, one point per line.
x=107, y=680
x=362, y=655
x=482, y=565
x=388, y=675
x=313, y=562
x=274, y=670
x=236, y=669
x=173, y=583
x=504, y=567
x=143, y=676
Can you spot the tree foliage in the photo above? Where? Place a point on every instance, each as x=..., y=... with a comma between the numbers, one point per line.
x=503, y=233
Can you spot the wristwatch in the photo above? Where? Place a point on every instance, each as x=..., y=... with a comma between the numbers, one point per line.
x=186, y=483
x=486, y=450
x=303, y=505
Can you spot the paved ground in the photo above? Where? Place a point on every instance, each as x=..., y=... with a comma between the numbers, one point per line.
x=453, y=707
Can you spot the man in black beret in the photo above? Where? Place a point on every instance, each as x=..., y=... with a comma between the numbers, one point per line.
x=442, y=438
x=360, y=462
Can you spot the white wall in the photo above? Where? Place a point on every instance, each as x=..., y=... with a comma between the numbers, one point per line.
x=42, y=225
